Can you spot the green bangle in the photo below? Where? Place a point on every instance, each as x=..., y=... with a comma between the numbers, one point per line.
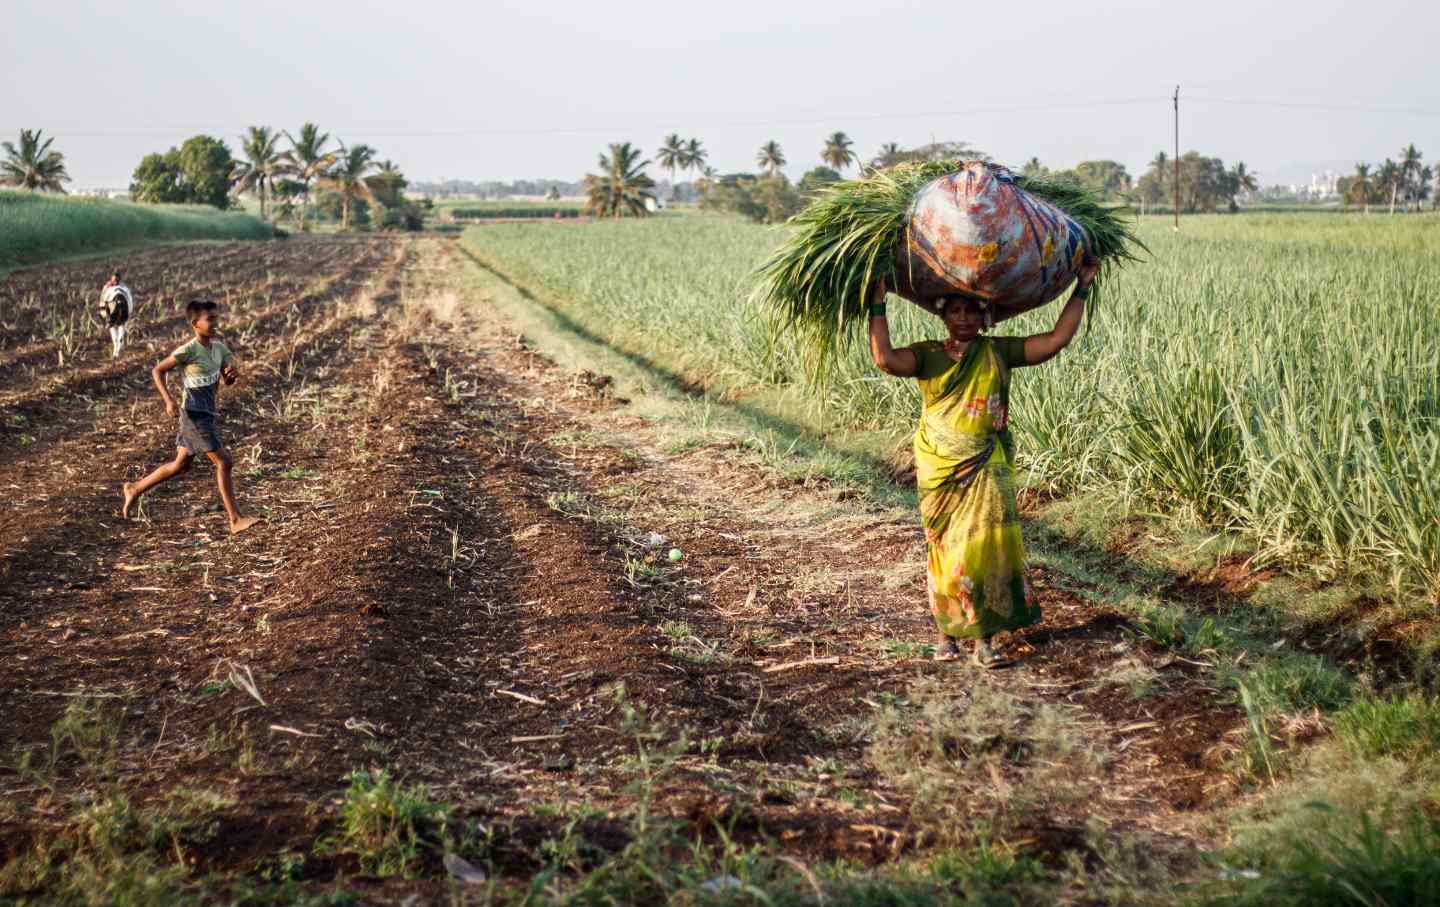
x=877, y=311
x=1082, y=293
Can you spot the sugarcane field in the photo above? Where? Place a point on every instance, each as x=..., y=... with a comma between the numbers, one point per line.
x=742, y=512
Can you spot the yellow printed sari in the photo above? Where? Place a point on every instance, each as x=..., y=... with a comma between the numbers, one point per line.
x=964, y=463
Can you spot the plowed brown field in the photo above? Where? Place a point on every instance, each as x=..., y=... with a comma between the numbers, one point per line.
x=453, y=583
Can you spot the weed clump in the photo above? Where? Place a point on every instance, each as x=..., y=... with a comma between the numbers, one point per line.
x=978, y=760
x=390, y=828
x=1398, y=726
x=1365, y=859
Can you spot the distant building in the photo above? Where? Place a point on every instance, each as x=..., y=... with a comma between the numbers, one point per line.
x=1323, y=186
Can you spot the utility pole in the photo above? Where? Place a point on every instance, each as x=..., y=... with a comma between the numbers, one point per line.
x=1176, y=228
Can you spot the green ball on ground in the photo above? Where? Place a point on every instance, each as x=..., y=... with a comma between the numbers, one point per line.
x=676, y=554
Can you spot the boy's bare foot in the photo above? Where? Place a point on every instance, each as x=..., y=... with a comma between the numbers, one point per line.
x=240, y=525
x=129, y=491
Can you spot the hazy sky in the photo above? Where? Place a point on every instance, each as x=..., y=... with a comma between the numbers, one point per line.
x=501, y=89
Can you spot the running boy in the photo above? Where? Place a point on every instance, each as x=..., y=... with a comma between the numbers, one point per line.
x=206, y=362
x=116, y=303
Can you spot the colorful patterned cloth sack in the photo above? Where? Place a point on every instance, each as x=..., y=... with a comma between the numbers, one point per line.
x=975, y=233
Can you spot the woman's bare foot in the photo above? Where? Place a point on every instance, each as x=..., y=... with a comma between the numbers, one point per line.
x=130, y=496
x=240, y=525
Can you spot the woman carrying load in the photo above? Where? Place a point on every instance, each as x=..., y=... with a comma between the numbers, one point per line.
x=964, y=464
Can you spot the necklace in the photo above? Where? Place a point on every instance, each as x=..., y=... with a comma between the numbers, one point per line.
x=955, y=348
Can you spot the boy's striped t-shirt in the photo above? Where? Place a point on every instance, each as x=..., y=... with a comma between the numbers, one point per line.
x=200, y=368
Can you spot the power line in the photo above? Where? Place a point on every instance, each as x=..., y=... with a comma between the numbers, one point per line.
x=828, y=119
x=579, y=130
x=1330, y=108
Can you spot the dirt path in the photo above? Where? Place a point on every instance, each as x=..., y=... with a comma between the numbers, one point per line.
x=456, y=583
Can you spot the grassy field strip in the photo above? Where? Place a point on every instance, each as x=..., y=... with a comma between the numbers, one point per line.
x=35, y=228
x=1277, y=376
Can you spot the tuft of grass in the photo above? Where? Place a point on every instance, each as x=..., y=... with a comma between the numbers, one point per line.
x=390, y=828
x=816, y=282
x=905, y=648
x=1366, y=861
x=1292, y=683
x=1396, y=726
x=1133, y=674
x=107, y=850
x=981, y=760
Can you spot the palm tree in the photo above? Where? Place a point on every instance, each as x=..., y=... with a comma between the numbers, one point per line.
x=837, y=151
x=283, y=193
x=1161, y=166
x=1390, y=175
x=673, y=157
x=771, y=158
x=33, y=165
x=347, y=179
x=308, y=160
x=1409, y=164
x=1245, y=179
x=695, y=155
x=1422, y=186
x=887, y=153
x=263, y=162
x=1361, y=187
x=388, y=177
x=621, y=185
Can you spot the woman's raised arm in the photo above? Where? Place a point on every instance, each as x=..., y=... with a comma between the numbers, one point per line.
x=900, y=363
x=1042, y=347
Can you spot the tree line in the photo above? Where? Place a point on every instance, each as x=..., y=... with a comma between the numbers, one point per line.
x=1205, y=183
x=1201, y=183
x=622, y=186
x=768, y=196
x=347, y=181
x=313, y=176
x=1408, y=181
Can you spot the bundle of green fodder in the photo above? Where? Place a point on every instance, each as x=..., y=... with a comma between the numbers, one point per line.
x=932, y=230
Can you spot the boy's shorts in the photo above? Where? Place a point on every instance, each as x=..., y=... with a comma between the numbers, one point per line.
x=198, y=432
